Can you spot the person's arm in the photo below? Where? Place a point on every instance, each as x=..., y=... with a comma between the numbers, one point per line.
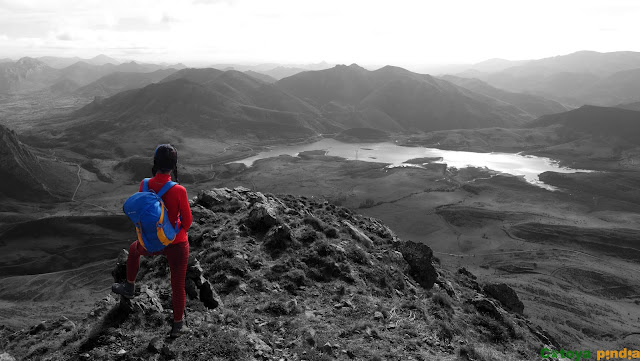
x=185, y=210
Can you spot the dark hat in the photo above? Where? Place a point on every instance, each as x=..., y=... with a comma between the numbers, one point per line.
x=165, y=158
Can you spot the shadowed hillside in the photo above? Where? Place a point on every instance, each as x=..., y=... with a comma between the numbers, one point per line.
x=28, y=176
x=596, y=121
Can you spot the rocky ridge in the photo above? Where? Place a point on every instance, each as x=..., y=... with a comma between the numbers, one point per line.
x=293, y=278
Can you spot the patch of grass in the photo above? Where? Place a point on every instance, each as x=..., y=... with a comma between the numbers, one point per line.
x=496, y=332
x=228, y=235
x=442, y=300
x=367, y=203
x=358, y=255
x=314, y=222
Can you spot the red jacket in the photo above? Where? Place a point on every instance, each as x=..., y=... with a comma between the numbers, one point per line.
x=177, y=204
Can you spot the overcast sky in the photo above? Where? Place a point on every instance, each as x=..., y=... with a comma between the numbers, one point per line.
x=399, y=32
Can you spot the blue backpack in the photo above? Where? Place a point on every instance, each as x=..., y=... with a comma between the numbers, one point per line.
x=147, y=212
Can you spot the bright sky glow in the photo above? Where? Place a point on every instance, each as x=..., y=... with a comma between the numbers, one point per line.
x=399, y=32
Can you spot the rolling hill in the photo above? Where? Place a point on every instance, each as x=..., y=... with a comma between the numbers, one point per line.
x=533, y=105
x=393, y=98
x=596, y=121
x=117, y=82
x=219, y=105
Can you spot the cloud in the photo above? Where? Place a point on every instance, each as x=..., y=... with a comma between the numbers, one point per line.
x=64, y=37
x=168, y=19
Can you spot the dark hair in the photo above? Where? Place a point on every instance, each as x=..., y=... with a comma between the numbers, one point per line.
x=165, y=159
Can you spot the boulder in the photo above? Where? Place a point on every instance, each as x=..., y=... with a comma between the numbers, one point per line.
x=212, y=198
x=119, y=272
x=262, y=217
x=358, y=235
x=148, y=301
x=506, y=295
x=419, y=257
x=6, y=357
x=464, y=271
x=488, y=307
x=279, y=238
x=209, y=297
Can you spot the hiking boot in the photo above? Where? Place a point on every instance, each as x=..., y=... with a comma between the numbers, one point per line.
x=178, y=328
x=125, y=289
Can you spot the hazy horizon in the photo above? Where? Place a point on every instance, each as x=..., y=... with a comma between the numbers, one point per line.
x=406, y=33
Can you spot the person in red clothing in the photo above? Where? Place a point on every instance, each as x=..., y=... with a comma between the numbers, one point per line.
x=165, y=161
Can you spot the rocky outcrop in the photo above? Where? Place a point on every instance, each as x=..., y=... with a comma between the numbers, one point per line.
x=419, y=257
x=20, y=170
x=289, y=278
x=506, y=295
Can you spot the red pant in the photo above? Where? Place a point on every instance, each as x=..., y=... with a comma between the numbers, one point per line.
x=178, y=257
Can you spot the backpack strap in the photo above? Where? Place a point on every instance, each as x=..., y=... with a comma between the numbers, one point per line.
x=165, y=188
x=145, y=185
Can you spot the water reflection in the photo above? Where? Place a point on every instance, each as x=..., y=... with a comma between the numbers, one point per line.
x=526, y=166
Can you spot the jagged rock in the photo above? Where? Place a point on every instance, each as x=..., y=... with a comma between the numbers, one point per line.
x=167, y=352
x=506, y=295
x=447, y=287
x=465, y=272
x=148, y=301
x=279, y=238
x=6, y=357
x=209, y=297
x=259, y=347
x=191, y=289
x=155, y=345
x=419, y=257
x=195, y=272
x=382, y=231
x=213, y=198
x=280, y=308
x=358, y=235
x=262, y=217
x=487, y=306
x=119, y=272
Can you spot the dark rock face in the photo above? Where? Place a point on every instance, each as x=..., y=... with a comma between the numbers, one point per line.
x=419, y=257
x=119, y=272
x=506, y=295
x=488, y=307
x=209, y=297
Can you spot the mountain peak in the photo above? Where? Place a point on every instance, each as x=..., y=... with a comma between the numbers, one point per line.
x=286, y=276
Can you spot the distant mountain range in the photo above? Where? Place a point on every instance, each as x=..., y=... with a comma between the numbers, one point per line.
x=274, y=70
x=216, y=104
x=533, y=105
x=117, y=82
x=29, y=74
x=63, y=62
x=396, y=99
x=585, y=77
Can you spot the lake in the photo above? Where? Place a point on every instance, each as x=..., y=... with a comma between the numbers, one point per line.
x=527, y=166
